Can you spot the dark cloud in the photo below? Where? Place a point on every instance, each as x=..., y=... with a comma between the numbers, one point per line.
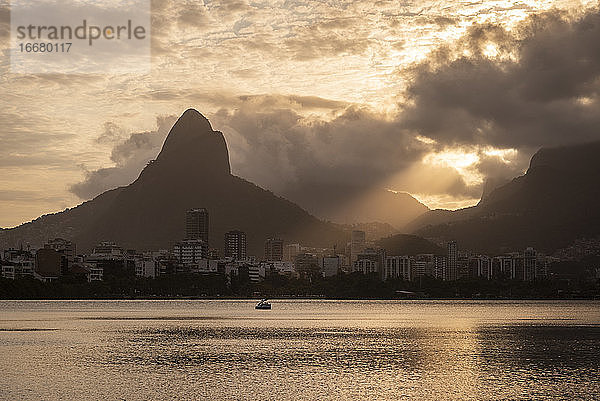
x=130, y=156
x=541, y=89
x=444, y=21
x=280, y=147
x=331, y=167
x=495, y=167
x=112, y=133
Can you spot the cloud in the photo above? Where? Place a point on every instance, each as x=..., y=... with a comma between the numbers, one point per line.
x=130, y=156
x=280, y=147
x=321, y=40
x=537, y=85
x=112, y=133
x=326, y=164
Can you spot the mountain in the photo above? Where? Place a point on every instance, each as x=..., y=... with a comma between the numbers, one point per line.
x=438, y=216
x=404, y=244
x=191, y=171
x=491, y=184
x=346, y=204
x=553, y=204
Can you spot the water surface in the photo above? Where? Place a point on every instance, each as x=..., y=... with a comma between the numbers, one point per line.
x=299, y=350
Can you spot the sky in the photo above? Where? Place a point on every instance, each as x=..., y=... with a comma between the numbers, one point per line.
x=433, y=98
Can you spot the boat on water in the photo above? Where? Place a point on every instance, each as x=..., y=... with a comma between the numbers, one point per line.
x=263, y=304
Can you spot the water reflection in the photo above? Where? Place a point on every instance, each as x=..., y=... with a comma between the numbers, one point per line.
x=372, y=350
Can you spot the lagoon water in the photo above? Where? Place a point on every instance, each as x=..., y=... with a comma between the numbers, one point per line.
x=299, y=350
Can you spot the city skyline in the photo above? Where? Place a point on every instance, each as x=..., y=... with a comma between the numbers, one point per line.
x=58, y=258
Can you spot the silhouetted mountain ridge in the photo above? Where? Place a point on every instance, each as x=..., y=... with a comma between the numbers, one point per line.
x=192, y=170
x=549, y=207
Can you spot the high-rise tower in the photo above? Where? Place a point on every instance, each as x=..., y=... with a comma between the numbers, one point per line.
x=196, y=224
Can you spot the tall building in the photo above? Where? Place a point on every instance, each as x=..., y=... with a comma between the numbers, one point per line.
x=428, y=269
x=48, y=264
x=529, y=264
x=542, y=266
x=398, y=267
x=357, y=244
x=452, y=261
x=331, y=265
x=67, y=250
x=418, y=269
x=439, y=267
x=480, y=266
x=274, y=249
x=146, y=266
x=196, y=224
x=370, y=261
x=504, y=266
x=235, y=245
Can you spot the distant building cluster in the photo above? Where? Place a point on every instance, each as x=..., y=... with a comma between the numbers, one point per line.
x=527, y=265
x=193, y=254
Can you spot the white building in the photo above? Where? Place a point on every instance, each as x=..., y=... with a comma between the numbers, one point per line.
x=366, y=266
x=439, y=267
x=256, y=273
x=418, y=269
x=188, y=252
x=398, y=267
x=9, y=272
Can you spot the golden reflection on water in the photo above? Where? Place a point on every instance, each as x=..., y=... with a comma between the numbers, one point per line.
x=299, y=350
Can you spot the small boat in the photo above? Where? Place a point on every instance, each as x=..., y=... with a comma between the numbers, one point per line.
x=263, y=304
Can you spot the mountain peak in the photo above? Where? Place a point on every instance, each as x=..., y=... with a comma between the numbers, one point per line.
x=194, y=117
x=191, y=122
x=579, y=158
x=193, y=145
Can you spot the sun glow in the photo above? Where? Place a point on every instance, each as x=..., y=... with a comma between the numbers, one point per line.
x=464, y=162
x=506, y=155
x=444, y=201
